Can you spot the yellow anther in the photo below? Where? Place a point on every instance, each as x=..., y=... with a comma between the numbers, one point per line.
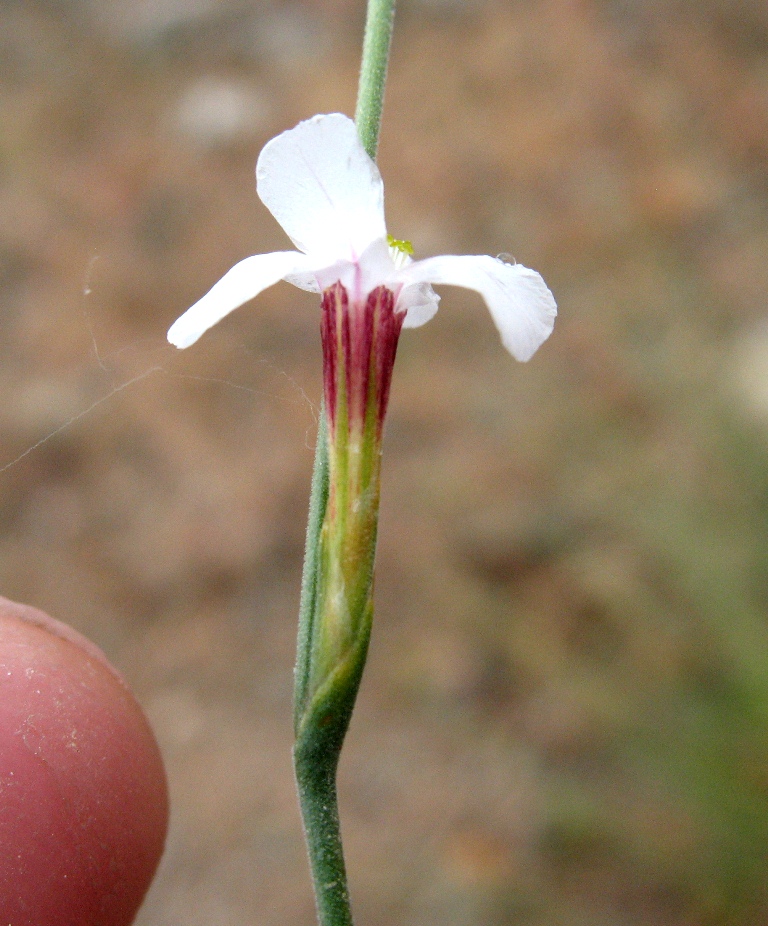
x=404, y=247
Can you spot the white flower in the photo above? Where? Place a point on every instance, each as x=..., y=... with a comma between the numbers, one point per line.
x=320, y=184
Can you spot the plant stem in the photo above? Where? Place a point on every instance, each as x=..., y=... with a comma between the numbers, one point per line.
x=319, y=808
x=318, y=501
x=322, y=711
x=373, y=71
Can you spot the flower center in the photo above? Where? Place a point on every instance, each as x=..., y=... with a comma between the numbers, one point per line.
x=401, y=252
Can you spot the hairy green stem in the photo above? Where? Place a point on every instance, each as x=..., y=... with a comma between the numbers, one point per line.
x=318, y=500
x=324, y=700
x=373, y=71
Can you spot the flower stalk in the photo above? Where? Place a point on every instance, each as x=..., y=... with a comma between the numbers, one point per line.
x=320, y=181
x=336, y=610
x=380, y=19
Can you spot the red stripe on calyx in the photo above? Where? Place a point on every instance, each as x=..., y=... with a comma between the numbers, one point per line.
x=359, y=348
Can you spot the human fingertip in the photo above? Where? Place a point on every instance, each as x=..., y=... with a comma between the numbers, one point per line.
x=84, y=807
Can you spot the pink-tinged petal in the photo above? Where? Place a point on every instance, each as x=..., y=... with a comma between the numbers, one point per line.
x=244, y=281
x=318, y=182
x=518, y=298
x=419, y=302
x=360, y=277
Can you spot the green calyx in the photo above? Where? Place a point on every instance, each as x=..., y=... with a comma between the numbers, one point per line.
x=347, y=545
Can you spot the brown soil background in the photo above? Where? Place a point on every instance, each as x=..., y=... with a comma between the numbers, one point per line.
x=564, y=721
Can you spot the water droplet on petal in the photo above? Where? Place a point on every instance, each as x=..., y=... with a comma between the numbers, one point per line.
x=506, y=258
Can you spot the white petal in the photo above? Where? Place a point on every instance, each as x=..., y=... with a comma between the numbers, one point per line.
x=318, y=182
x=244, y=281
x=374, y=268
x=419, y=301
x=306, y=281
x=518, y=298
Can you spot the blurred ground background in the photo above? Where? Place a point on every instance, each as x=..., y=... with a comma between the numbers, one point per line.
x=565, y=717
